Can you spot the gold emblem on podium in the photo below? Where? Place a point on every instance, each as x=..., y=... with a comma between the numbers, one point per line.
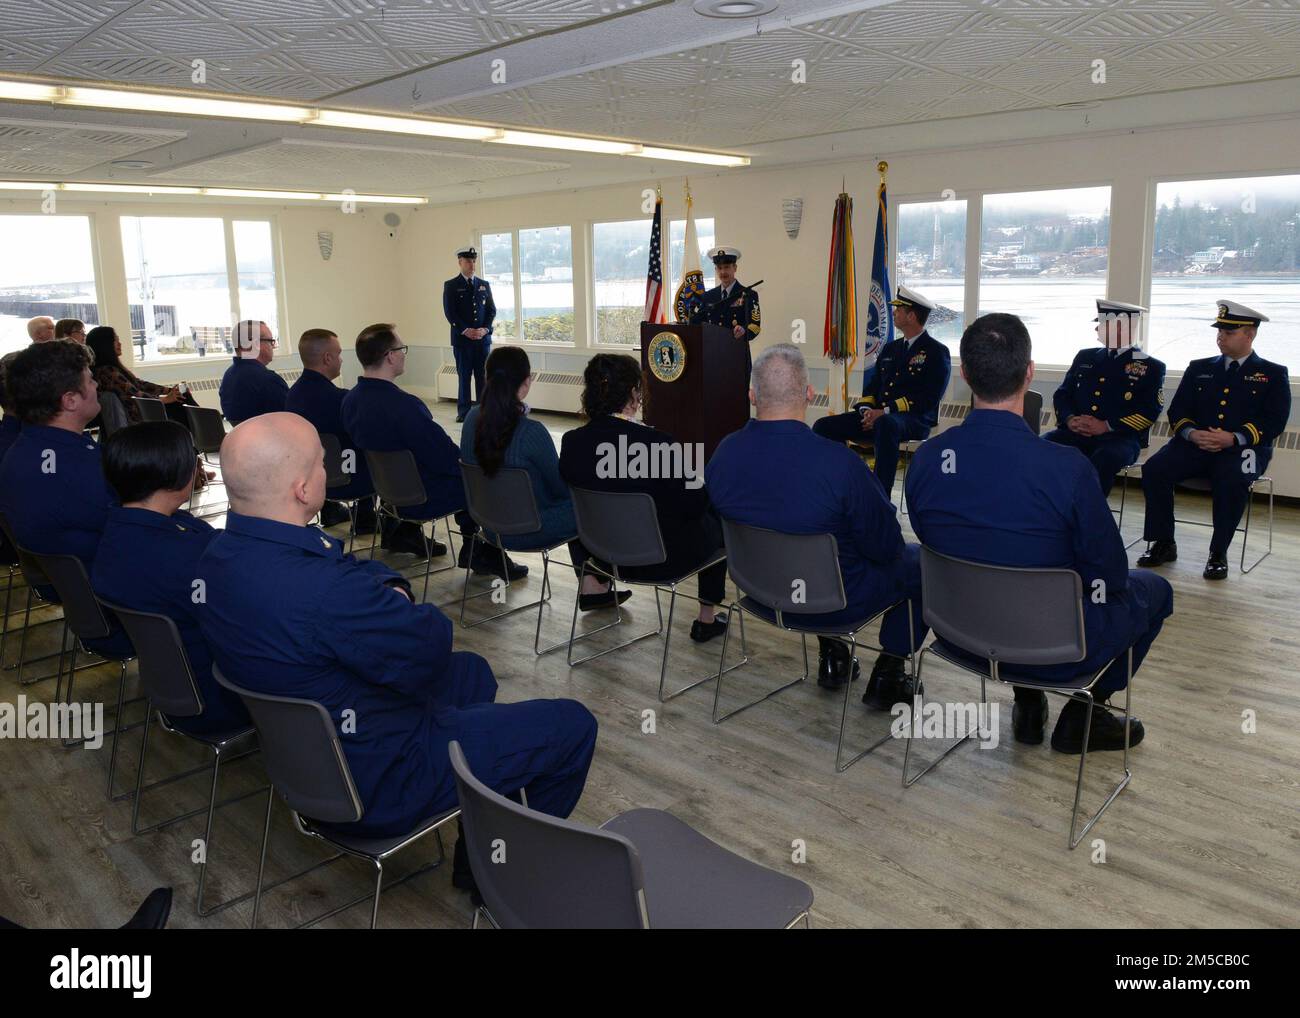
x=667, y=357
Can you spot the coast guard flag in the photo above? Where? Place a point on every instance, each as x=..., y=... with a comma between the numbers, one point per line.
x=880, y=316
x=655, y=298
x=691, y=288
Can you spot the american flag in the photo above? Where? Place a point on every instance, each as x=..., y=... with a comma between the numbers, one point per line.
x=656, y=311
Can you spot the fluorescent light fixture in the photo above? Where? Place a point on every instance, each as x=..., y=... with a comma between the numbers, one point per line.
x=160, y=102
x=129, y=188
x=532, y=139
x=400, y=125
x=377, y=199
x=26, y=185
x=29, y=91
x=682, y=156
x=212, y=192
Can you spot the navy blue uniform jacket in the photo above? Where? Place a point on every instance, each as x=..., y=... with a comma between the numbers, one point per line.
x=911, y=380
x=468, y=304
x=1255, y=403
x=249, y=389
x=1125, y=391
x=319, y=400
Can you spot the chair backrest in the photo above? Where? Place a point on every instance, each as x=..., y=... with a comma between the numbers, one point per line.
x=81, y=608
x=165, y=671
x=302, y=754
x=503, y=503
x=396, y=477
x=619, y=527
x=787, y=572
x=150, y=409
x=206, y=426
x=1033, y=412
x=335, y=476
x=536, y=871
x=112, y=415
x=1029, y=616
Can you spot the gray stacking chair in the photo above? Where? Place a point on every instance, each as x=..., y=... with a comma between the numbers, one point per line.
x=209, y=431
x=622, y=529
x=337, y=477
x=504, y=505
x=1033, y=617
x=87, y=621
x=170, y=689
x=22, y=564
x=151, y=409
x=305, y=760
x=398, y=486
x=768, y=568
x=112, y=415
x=641, y=869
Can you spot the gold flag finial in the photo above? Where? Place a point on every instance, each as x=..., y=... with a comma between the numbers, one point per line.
x=882, y=168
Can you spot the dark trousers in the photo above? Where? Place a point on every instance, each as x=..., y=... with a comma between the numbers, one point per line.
x=888, y=433
x=1109, y=454
x=1229, y=476
x=686, y=551
x=471, y=357
x=906, y=585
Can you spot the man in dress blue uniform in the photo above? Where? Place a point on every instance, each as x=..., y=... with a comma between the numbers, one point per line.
x=382, y=417
x=149, y=554
x=822, y=488
x=1111, y=395
x=902, y=401
x=730, y=305
x=467, y=303
x=1222, y=422
x=991, y=491
x=288, y=613
x=315, y=396
x=249, y=387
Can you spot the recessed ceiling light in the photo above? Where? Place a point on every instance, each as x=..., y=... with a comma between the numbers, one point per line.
x=734, y=8
x=133, y=164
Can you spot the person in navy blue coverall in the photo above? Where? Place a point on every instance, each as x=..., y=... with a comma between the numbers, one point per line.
x=902, y=401
x=1223, y=420
x=992, y=491
x=467, y=303
x=149, y=553
x=249, y=387
x=824, y=488
x=288, y=613
x=315, y=396
x=382, y=417
x=1111, y=395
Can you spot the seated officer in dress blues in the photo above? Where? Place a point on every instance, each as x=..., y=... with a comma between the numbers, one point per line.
x=1222, y=422
x=381, y=417
x=467, y=303
x=1111, y=395
x=9, y=424
x=316, y=397
x=902, y=401
x=288, y=613
x=991, y=491
x=249, y=387
x=822, y=488
x=730, y=305
x=149, y=554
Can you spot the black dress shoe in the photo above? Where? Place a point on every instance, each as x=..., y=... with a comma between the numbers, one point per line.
x=1107, y=729
x=460, y=418
x=888, y=675
x=462, y=876
x=831, y=672
x=605, y=599
x=410, y=543
x=487, y=562
x=332, y=514
x=1028, y=716
x=1216, y=568
x=703, y=632
x=1158, y=553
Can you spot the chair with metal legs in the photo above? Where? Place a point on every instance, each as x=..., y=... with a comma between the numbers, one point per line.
x=151, y=408
x=1033, y=617
x=621, y=529
x=642, y=869
x=337, y=476
x=170, y=689
x=209, y=431
x=24, y=565
x=782, y=577
x=305, y=760
x=398, y=486
x=88, y=623
x=503, y=505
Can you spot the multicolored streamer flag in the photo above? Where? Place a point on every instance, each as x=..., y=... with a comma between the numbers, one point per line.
x=841, y=331
x=880, y=316
x=691, y=288
x=656, y=311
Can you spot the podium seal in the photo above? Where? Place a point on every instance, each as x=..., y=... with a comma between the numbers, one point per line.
x=667, y=357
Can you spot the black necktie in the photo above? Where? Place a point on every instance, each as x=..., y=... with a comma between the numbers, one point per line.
x=1232, y=369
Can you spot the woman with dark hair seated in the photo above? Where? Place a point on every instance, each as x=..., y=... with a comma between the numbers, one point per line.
x=497, y=433
x=692, y=534
x=149, y=551
x=111, y=375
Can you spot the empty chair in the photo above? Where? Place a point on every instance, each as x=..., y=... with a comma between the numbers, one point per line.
x=151, y=409
x=337, y=477
x=642, y=869
x=1033, y=617
x=398, y=486
x=112, y=415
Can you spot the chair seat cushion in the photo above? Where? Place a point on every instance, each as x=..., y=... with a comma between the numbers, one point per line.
x=694, y=883
x=973, y=662
x=795, y=623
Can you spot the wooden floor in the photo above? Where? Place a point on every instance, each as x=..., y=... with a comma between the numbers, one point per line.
x=1206, y=835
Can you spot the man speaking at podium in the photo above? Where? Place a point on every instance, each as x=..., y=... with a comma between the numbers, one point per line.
x=730, y=304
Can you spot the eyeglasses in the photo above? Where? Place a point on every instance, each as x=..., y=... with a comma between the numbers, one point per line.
x=398, y=349
x=273, y=342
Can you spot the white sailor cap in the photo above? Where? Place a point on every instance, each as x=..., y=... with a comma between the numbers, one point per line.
x=1233, y=315
x=908, y=298
x=724, y=255
x=467, y=252
x=1112, y=308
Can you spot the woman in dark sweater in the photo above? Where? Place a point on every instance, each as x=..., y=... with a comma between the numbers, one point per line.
x=111, y=375
x=611, y=398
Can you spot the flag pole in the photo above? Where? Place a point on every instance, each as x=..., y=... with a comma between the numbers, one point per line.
x=882, y=168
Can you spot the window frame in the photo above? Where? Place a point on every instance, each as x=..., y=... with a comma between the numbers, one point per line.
x=514, y=231
x=96, y=262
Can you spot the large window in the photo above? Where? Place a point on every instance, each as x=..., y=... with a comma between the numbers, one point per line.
x=930, y=257
x=620, y=256
x=1043, y=256
x=190, y=279
x=498, y=268
x=546, y=284
x=1235, y=239
x=46, y=268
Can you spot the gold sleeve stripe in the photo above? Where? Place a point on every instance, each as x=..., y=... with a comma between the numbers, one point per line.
x=870, y=401
x=1178, y=424
x=903, y=404
x=1254, y=433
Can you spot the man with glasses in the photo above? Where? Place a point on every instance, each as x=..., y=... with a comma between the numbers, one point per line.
x=467, y=303
x=381, y=417
x=70, y=328
x=249, y=388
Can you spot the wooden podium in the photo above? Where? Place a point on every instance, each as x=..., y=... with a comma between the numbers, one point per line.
x=698, y=388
